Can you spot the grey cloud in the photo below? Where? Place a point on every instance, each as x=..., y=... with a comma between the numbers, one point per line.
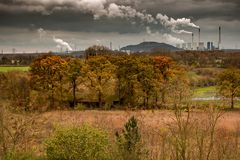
x=99, y=8
x=124, y=17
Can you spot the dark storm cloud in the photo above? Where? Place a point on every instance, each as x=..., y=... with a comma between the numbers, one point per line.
x=123, y=17
x=78, y=15
x=195, y=9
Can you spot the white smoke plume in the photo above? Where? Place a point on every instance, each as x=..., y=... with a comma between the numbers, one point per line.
x=41, y=33
x=148, y=30
x=171, y=39
x=98, y=8
x=174, y=24
x=128, y=12
x=168, y=38
x=61, y=43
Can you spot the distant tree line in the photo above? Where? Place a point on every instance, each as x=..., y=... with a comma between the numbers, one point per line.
x=199, y=59
x=107, y=80
x=17, y=59
x=205, y=59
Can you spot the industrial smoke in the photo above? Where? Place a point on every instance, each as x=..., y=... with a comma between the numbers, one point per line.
x=99, y=8
x=62, y=43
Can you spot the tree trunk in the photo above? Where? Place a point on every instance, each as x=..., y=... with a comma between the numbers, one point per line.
x=100, y=99
x=74, y=92
x=61, y=90
x=232, y=101
x=156, y=100
x=100, y=93
x=144, y=102
x=52, y=98
x=147, y=101
x=163, y=97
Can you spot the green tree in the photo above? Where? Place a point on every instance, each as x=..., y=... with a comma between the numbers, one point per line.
x=129, y=141
x=179, y=86
x=128, y=79
x=78, y=143
x=147, y=78
x=99, y=72
x=74, y=72
x=136, y=79
x=229, y=84
x=96, y=51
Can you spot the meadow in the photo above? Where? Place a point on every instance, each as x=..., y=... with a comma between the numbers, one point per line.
x=14, y=68
x=158, y=128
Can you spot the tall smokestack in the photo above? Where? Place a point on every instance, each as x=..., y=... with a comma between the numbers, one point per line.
x=111, y=45
x=199, y=35
x=192, y=40
x=220, y=37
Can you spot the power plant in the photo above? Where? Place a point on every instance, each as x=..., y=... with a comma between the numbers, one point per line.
x=200, y=45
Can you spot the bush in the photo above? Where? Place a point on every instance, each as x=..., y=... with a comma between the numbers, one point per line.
x=129, y=142
x=15, y=86
x=80, y=107
x=78, y=143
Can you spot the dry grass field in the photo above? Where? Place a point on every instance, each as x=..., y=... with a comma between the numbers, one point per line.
x=151, y=123
x=116, y=119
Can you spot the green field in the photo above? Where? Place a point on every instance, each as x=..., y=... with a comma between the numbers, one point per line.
x=205, y=92
x=13, y=68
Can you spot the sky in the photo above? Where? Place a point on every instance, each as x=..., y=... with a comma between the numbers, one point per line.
x=54, y=25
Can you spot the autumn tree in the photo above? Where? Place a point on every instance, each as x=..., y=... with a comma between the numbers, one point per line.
x=99, y=72
x=229, y=84
x=128, y=79
x=136, y=80
x=162, y=65
x=96, y=51
x=74, y=72
x=179, y=86
x=47, y=74
x=146, y=76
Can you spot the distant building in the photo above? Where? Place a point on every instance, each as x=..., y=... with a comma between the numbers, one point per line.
x=184, y=46
x=189, y=46
x=201, y=46
x=210, y=46
x=194, y=46
x=178, y=45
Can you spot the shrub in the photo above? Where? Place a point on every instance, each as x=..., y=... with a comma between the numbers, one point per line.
x=78, y=143
x=129, y=142
x=80, y=107
x=15, y=87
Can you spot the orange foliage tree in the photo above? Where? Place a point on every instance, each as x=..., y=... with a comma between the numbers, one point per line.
x=162, y=65
x=47, y=73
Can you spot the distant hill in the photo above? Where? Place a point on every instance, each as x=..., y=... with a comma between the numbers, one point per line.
x=149, y=46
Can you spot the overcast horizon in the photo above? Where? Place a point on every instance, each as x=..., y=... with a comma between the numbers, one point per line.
x=44, y=25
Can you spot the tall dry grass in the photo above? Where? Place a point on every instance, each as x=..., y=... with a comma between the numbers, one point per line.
x=177, y=135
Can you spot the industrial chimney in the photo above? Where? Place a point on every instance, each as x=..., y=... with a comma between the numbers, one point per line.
x=111, y=45
x=192, y=40
x=220, y=38
x=199, y=35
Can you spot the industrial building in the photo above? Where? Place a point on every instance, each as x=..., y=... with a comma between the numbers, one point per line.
x=200, y=46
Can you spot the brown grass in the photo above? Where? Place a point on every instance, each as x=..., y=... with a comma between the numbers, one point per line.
x=152, y=124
